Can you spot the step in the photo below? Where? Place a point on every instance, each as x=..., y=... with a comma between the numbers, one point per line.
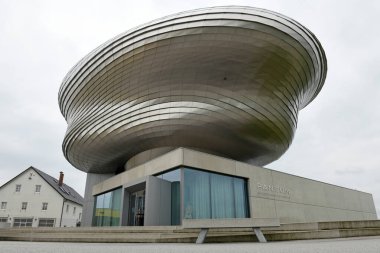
x=297, y=231
x=327, y=225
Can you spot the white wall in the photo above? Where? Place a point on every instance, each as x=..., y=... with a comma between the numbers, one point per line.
x=69, y=217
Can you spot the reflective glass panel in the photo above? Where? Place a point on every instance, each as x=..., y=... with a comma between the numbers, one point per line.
x=214, y=196
x=107, y=209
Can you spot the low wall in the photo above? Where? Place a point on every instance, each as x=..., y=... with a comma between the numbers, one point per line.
x=5, y=225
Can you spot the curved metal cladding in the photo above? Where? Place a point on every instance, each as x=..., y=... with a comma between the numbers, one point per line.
x=225, y=80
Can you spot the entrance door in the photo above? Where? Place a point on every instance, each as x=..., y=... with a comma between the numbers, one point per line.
x=136, y=208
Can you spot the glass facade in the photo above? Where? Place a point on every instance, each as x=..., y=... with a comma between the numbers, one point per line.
x=206, y=195
x=107, y=209
x=212, y=196
x=193, y=194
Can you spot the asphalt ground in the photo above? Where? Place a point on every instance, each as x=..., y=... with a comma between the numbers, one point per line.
x=345, y=245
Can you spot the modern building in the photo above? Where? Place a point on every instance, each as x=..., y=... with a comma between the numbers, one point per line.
x=173, y=120
x=36, y=199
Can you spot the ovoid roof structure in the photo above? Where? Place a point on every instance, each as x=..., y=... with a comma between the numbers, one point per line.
x=225, y=80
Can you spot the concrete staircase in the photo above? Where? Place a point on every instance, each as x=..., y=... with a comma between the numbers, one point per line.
x=176, y=234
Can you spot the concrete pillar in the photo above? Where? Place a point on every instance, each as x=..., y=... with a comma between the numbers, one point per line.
x=157, y=202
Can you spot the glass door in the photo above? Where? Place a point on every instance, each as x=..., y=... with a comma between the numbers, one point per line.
x=136, y=208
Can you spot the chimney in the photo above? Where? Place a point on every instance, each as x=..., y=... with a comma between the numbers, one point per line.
x=60, y=181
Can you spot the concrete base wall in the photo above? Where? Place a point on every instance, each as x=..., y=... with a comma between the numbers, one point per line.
x=146, y=156
x=272, y=194
x=5, y=224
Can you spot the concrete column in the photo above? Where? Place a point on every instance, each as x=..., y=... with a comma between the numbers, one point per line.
x=157, y=202
x=88, y=207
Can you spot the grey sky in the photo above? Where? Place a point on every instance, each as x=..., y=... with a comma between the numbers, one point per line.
x=338, y=137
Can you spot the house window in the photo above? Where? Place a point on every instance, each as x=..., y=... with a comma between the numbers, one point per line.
x=22, y=222
x=18, y=187
x=24, y=205
x=3, y=205
x=74, y=209
x=44, y=206
x=38, y=188
x=67, y=208
x=80, y=216
x=46, y=222
x=3, y=219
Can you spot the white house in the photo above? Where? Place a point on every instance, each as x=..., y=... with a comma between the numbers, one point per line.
x=36, y=199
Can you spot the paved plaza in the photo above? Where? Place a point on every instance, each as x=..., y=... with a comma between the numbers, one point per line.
x=347, y=245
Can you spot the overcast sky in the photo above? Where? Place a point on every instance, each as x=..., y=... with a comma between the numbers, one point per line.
x=338, y=137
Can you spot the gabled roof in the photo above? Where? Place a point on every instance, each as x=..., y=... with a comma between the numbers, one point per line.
x=65, y=191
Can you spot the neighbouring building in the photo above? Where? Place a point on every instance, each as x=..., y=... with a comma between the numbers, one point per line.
x=36, y=199
x=175, y=118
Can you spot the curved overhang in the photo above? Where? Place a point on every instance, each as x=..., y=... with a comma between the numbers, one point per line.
x=225, y=80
